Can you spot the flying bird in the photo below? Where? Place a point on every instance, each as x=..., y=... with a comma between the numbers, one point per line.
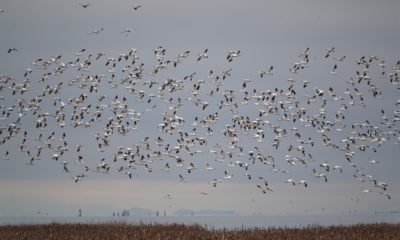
x=136, y=7
x=84, y=5
x=203, y=55
x=127, y=30
x=96, y=31
x=12, y=50
x=330, y=51
x=249, y=118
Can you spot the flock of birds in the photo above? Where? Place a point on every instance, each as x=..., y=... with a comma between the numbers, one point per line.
x=206, y=125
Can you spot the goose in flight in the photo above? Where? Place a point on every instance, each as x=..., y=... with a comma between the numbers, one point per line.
x=386, y=194
x=79, y=161
x=232, y=55
x=12, y=50
x=366, y=190
x=305, y=52
x=136, y=7
x=291, y=181
x=168, y=196
x=203, y=55
x=209, y=167
x=373, y=162
x=84, y=5
x=333, y=72
x=266, y=72
x=305, y=83
x=6, y=156
x=96, y=31
x=30, y=162
x=80, y=53
x=380, y=184
x=181, y=178
x=78, y=177
x=264, y=188
x=215, y=182
x=127, y=30
x=341, y=59
x=65, y=165
x=330, y=50
x=319, y=175
x=325, y=166
x=338, y=167
x=264, y=191
x=228, y=176
x=304, y=182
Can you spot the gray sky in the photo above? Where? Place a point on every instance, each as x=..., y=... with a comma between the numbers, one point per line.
x=266, y=33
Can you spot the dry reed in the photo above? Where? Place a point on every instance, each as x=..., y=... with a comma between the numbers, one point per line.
x=120, y=231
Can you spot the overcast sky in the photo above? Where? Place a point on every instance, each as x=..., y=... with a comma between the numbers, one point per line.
x=266, y=33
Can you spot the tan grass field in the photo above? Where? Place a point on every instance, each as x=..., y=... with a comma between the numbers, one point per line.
x=178, y=231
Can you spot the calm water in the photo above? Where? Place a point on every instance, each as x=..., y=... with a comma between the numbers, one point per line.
x=218, y=222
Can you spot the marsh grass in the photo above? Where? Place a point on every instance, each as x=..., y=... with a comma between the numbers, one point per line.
x=122, y=231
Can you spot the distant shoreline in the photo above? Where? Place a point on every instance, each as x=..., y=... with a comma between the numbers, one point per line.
x=216, y=222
